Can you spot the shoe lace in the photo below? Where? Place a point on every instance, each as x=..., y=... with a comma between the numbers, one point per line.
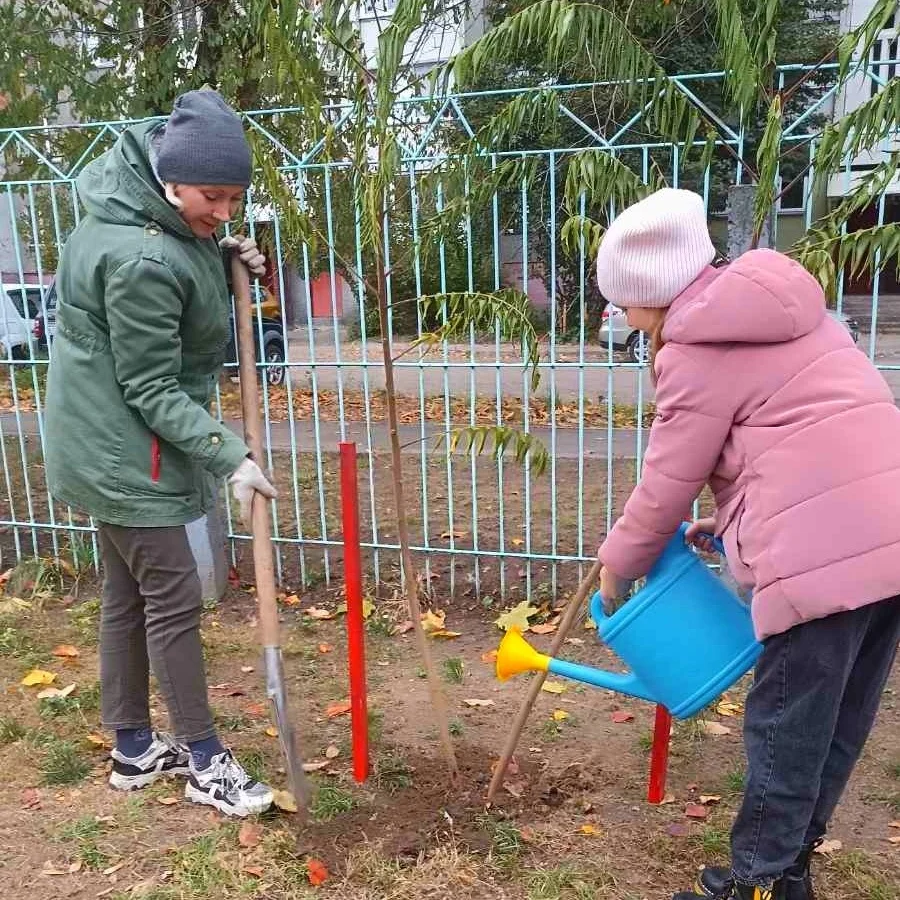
x=233, y=773
x=171, y=744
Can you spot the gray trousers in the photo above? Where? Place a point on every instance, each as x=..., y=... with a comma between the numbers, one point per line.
x=150, y=616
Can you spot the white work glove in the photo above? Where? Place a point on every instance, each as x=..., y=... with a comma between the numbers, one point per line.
x=247, y=480
x=248, y=252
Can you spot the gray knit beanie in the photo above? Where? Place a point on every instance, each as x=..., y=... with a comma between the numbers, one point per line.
x=204, y=143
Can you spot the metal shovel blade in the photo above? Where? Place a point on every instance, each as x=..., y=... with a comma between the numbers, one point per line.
x=293, y=761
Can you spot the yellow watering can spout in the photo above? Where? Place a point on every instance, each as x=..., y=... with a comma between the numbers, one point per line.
x=515, y=655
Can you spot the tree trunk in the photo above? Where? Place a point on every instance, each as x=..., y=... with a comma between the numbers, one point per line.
x=436, y=694
x=210, y=45
x=155, y=35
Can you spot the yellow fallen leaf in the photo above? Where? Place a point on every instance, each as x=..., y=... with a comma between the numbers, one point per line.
x=476, y=702
x=589, y=829
x=560, y=715
x=433, y=620
x=553, y=687
x=285, y=801
x=589, y=624
x=489, y=657
x=167, y=801
x=708, y=799
x=729, y=709
x=13, y=605
x=517, y=542
x=98, y=740
x=66, y=650
x=517, y=617
x=272, y=731
x=443, y=633
x=38, y=676
x=368, y=607
x=291, y=600
x=446, y=535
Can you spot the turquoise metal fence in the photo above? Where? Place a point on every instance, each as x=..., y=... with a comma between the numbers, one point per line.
x=485, y=526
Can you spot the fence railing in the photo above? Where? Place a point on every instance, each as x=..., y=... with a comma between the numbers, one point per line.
x=486, y=526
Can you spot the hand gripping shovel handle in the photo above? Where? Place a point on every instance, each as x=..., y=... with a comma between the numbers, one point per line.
x=262, y=544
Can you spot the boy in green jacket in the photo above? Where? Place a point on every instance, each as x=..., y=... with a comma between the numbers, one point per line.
x=142, y=331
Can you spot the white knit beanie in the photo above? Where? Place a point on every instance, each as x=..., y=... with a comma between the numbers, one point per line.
x=654, y=250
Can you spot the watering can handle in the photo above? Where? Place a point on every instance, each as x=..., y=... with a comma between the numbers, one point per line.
x=598, y=613
x=717, y=543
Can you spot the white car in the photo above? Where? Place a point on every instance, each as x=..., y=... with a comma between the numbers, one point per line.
x=613, y=322
x=20, y=308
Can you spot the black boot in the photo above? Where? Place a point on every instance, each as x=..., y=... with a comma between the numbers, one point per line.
x=714, y=880
x=731, y=890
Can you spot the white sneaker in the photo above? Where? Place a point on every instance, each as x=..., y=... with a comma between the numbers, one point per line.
x=163, y=757
x=225, y=785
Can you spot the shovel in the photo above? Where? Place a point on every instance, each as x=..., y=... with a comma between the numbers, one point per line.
x=262, y=544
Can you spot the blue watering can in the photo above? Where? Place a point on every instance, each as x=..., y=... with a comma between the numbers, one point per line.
x=685, y=636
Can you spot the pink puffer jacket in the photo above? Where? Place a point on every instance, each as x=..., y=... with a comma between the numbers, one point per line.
x=766, y=398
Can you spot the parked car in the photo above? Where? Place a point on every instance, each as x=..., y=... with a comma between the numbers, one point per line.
x=273, y=349
x=629, y=339
x=44, y=328
x=20, y=309
x=272, y=340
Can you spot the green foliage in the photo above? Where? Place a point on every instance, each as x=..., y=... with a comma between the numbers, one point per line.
x=131, y=58
x=499, y=440
x=856, y=45
x=329, y=801
x=393, y=773
x=453, y=669
x=743, y=77
x=862, y=129
x=767, y=158
x=63, y=763
x=507, y=309
x=561, y=35
x=11, y=730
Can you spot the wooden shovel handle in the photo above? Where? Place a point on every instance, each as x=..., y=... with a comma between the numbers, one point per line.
x=263, y=562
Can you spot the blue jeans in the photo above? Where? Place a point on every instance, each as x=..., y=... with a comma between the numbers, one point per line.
x=813, y=702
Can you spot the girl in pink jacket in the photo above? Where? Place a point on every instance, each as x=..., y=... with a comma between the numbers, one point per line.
x=764, y=397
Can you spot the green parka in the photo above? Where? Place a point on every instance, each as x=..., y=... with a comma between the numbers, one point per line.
x=142, y=331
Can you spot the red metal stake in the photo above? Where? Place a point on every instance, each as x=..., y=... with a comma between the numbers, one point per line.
x=356, y=644
x=659, y=755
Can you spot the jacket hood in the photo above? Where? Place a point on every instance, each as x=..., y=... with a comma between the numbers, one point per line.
x=120, y=186
x=763, y=297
